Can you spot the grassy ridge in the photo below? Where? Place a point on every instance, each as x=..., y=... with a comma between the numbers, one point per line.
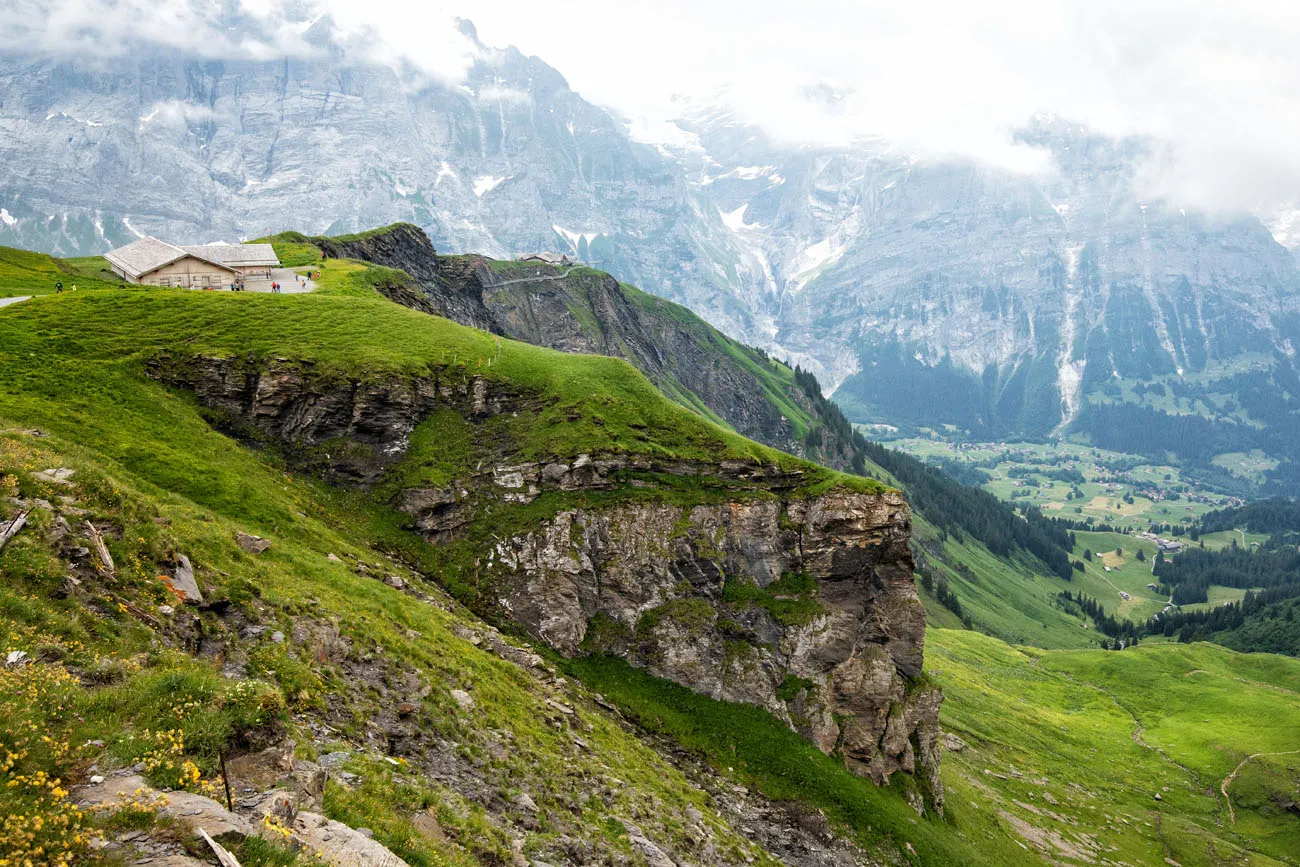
x=25, y=273
x=134, y=686
x=83, y=349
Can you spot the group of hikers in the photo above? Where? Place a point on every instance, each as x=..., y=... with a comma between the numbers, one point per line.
x=302, y=283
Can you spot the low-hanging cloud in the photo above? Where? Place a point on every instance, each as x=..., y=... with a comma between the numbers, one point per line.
x=1213, y=86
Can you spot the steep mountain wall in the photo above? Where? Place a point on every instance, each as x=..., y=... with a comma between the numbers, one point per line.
x=920, y=292
x=755, y=589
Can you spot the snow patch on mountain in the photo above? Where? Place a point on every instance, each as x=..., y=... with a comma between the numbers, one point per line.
x=1284, y=225
x=496, y=93
x=735, y=220
x=485, y=184
x=745, y=173
x=574, y=237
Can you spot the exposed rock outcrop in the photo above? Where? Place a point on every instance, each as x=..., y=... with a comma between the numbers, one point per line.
x=760, y=593
x=351, y=429
x=589, y=312
x=407, y=248
x=804, y=606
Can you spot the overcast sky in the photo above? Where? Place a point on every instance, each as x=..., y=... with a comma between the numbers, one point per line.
x=1218, y=83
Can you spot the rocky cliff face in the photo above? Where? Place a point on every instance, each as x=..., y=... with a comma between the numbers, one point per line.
x=353, y=430
x=760, y=592
x=407, y=248
x=805, y=607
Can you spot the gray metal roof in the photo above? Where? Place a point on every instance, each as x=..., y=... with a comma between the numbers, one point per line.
x=150, y=254
x=235, y=255
x=145, y=255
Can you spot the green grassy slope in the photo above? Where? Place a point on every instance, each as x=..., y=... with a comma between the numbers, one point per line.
x=113, y=637
x=1012, y=598
x=1069, y=749
x=25, y=273
x=150, y=470
x=148, y=464
x=584, y=291
x=1064, y=754
x=86, y=351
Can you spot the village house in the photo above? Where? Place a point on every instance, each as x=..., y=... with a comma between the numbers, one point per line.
x=151, y=262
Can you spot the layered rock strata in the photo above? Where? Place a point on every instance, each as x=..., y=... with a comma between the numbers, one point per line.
x=761, y=592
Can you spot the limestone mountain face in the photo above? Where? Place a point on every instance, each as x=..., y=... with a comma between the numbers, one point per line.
x=97, y=150
x=761, y=592
x=920, y=292
x=946, y=292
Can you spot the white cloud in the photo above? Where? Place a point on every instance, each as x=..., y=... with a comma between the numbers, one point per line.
x=95, y=28
x=1215, y=84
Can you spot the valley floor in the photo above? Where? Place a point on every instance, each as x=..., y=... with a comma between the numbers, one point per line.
x=1090, y=757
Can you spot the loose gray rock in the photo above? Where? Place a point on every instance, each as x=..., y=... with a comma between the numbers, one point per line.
x=655, y=856
x=952, y=743
x=252, y=544
x=339, y=845
x=183, y=581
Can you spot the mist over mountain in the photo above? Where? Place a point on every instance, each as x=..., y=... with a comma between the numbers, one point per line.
x=1006, y=299
x=922, y=292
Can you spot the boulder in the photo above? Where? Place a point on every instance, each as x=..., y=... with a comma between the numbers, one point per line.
x=653, y=855
x=187, y=808
x=427, y=826
x=952, y=743
x=183, y=581
x=261, y=770
x=54, y=476
x=252, y=544
x=340, y=846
